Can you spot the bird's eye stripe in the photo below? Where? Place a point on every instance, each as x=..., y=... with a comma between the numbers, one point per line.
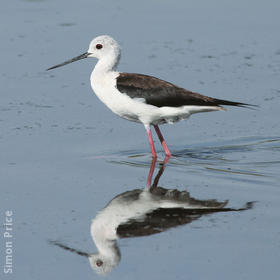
x=99, y=46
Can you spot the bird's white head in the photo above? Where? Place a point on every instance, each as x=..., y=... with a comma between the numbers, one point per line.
x=104, y=48
x=103, y=264
x=107, y=51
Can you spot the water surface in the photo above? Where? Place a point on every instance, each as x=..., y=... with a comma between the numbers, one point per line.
x=64, y=156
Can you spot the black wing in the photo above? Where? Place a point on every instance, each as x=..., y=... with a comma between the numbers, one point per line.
x=161, y=93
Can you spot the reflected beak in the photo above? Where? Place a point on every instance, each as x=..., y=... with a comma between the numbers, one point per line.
x=82, y=56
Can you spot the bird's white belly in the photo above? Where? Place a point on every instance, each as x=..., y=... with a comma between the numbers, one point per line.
x=120, y=104
x=123, y=105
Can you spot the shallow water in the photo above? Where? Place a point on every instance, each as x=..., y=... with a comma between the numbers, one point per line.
x=64, y=156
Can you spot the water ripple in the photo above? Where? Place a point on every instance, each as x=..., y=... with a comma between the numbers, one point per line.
x=237, y=159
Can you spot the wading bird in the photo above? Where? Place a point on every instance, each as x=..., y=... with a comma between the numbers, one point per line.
x=142, y=98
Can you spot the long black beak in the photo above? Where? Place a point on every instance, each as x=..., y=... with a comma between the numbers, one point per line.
x=81, y=253
x=82, y=56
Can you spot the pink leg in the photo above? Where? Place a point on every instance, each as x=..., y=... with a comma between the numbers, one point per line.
x=162, y=141
x=151, y=172
x=154, y=153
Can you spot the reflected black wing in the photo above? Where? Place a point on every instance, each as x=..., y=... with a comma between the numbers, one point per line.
x=157, y=221
x=162, y=219
x=161, y=93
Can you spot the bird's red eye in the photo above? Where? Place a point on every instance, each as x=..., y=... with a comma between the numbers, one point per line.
x=99, y=46
x=99, y=263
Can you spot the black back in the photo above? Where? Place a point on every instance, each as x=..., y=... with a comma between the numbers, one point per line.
x=161, y=93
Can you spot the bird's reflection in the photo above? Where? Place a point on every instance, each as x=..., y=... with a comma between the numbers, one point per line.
x=142, y=212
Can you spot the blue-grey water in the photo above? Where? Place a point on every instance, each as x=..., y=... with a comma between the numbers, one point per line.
x=64, y=155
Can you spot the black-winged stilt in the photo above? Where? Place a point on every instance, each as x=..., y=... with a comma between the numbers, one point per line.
x=141, y=98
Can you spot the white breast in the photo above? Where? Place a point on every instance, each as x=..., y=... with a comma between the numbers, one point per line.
x=104, y=86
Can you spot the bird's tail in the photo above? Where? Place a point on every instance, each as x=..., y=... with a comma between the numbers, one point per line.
x=221, y=102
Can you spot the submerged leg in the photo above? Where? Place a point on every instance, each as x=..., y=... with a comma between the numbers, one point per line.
x=154, y=153
x=162, y=141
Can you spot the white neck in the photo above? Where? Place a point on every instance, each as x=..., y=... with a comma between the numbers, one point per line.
x=107, y=63
x=105, y=246
x=104, y=237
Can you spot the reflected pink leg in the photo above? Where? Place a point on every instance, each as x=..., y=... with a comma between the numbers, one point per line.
x=166, y=159
x=149, y=184
x=154, y=153
x=162, y=141
x=151, y=172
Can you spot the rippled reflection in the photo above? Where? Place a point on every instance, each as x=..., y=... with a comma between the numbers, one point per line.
x=143, y=212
